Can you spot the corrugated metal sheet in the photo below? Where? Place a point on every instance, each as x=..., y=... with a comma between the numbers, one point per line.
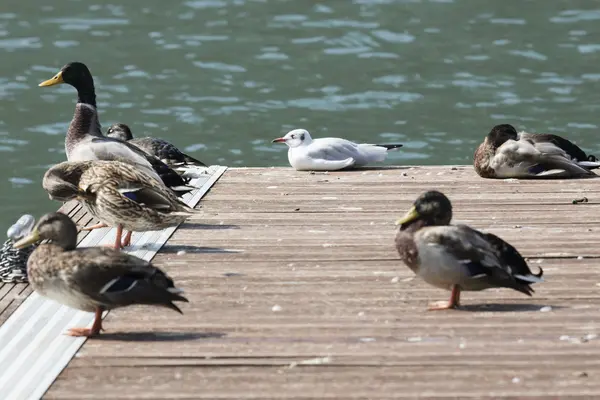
x=33, y=350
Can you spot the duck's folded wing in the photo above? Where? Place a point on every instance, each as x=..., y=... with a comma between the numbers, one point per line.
x=465, y=245
x=114, y=278
x=566, y=145
x=543, y=158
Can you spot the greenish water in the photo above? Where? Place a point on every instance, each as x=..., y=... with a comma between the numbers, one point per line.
x=221, y=78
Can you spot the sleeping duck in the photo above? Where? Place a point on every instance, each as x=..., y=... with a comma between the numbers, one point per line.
x=456, y=257
x=507, y=154
x=118, y=195
x=93, y=279
x=159, y=148
x=84, y=140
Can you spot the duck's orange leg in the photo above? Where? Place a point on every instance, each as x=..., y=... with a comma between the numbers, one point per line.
x=127, y=239
x=94, y=330
x=97, y=226
x=454, y=301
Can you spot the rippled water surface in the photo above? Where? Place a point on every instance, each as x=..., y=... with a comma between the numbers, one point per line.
x=221, y=78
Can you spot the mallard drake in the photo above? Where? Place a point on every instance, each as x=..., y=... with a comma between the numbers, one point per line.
x=84, y=140
x=330, y=154
x=93, y=279
x=457, y=257
x=160, y=148
x=507, y=154
x=118, y=195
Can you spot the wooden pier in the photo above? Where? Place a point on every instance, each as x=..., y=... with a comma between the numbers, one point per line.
x=296, y=292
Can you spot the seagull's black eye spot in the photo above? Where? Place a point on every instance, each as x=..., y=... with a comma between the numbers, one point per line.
x=293, y=136
x=302, y=137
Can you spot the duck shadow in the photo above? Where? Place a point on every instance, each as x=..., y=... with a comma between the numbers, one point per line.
x=197, y=226
x=158, y=336
x=504, y=307
x=169, y=249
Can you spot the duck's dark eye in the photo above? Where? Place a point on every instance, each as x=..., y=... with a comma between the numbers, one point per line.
x=110, y=130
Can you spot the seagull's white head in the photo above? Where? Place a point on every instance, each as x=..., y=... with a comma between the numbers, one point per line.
x=295, y=138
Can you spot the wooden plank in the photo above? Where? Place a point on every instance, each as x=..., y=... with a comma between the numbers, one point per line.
x=314, y=304
x=33, y=350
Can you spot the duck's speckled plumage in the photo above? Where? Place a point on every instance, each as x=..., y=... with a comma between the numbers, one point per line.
x=117, y=194
x=458, y=257
x=92, y=279
x=84, y=140
x=160, y=148
x=505, y=153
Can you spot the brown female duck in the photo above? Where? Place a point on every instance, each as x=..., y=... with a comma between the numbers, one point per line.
x=93, y=279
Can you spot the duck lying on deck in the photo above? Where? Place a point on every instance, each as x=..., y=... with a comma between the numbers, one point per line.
x=507, y=154
x=92, y=279
x=457, y=257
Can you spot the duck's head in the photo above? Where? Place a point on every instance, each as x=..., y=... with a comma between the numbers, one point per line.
x=295, y=138
x=57, y=227
x=500, y=134
x=430, y=208
x=119, y=131
x=61, y=181
x=75, y=74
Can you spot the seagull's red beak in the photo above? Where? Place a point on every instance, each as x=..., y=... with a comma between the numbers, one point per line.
x=278, y=140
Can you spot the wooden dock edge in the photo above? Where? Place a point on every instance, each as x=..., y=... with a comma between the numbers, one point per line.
x=33, y=348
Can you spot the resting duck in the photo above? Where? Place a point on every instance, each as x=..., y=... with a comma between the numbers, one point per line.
x=456, y=257
x=159, y=148
x=92, y=279
x=84, y=140
x=118, y=195
x=507, y=154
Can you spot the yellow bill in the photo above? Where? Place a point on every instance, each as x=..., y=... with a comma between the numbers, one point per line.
x=55, y=80
x=411, y=215
x=32, y=238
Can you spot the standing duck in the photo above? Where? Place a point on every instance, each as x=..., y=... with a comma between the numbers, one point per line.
x=457, y=257
x=507, y=154
x=118, y=195
x=84, y=140
x=93, y=279
x=159, y=148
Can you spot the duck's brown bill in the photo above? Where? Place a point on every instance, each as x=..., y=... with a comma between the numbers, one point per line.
x=33, y=237
x=411, y=215
x=55, y=80
x=278, y=140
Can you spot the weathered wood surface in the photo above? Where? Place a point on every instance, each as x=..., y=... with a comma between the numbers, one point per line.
x=12, y=295
x=296, y=292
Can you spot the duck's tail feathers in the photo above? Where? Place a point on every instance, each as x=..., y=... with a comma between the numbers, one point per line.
x=589, y=164
x=192, y=161
x=390, y=146
x=531, y=278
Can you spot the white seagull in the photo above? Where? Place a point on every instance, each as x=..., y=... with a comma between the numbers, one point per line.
x=330, y=154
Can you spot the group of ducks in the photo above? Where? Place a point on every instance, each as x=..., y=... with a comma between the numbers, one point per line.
x=131, y=184
x=136, y=185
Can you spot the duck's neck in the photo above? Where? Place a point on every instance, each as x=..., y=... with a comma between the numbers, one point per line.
x=85, y=121
x=87, y=94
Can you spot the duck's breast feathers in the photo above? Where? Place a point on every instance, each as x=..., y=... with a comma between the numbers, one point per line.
x=113, y=278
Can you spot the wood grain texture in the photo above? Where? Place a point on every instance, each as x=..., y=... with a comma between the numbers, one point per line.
x=296, y=292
